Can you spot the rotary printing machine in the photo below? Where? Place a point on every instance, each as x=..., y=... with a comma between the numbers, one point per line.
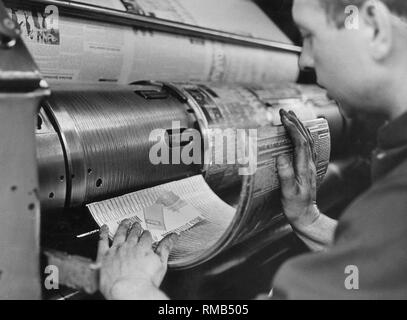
x=63, y=149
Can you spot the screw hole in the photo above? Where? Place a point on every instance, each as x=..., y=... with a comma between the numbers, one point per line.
x=7, y=42
x=61, y=178
x=31, y=206
x=39, y=122
x=89, y=171
x=13, y=188
x=51, y=195
x=99, y=183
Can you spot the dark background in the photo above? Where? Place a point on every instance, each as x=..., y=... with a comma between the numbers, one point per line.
x=280, y=12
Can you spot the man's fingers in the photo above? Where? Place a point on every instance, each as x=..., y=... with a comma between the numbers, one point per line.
x=103, y=245
x=293, y=129
x=286, y=174
x=306, y=133
x=165, y=246
x=146, y=241
x=121, y=233
x=301, y=148
x=314, y=177
x=300, y=126
x=135, y=233
x=312, y=147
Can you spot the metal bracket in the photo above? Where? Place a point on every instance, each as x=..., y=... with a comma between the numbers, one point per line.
x=21, y=90
x=75, y=272
x=8, y=31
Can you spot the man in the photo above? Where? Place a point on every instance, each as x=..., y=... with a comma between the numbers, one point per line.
x=363, y=64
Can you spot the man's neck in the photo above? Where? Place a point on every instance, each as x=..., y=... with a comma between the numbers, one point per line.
x=398, y=98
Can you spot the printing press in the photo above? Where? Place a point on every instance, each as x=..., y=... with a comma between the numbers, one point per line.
x=77, y=135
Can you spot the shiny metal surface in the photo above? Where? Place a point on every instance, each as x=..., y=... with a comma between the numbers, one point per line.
x=51, y=164
x=20, y=95
x=105, y=134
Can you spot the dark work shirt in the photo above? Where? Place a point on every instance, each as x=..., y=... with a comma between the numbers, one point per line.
x=368, y=259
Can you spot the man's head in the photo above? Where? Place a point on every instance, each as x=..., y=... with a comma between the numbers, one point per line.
x=358, y=49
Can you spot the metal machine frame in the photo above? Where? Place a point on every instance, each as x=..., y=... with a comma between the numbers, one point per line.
x=21, y=90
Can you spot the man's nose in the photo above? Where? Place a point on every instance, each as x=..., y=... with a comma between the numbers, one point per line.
x=306, y=61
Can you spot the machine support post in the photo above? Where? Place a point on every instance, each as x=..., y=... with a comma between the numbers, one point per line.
x=21, y=91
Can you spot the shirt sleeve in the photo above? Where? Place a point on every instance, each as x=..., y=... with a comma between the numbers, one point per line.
x=319, y=235
x=368, y=259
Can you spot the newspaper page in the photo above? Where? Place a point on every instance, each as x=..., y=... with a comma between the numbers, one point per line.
x=287, y=96
x=66, y=50
x=226, y=63
x=163, y=56
x=75, y=50
x=240, y=64
x=274, y=141
x=187, y=206
x=242, y=17
x=191, y=208
x=110, y=4
x=265, y=199
x=247, y=108
x=236, y=16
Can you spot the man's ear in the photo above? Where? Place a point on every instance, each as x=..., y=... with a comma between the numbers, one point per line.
x=378, y=20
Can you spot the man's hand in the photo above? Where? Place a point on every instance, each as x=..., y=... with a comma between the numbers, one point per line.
x=130, y=268
x=298, y=179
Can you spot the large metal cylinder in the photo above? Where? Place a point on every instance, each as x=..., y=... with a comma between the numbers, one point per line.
x=105, y=138
x=93, y=142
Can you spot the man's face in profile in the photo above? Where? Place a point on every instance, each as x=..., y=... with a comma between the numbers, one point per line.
x=336, y=53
